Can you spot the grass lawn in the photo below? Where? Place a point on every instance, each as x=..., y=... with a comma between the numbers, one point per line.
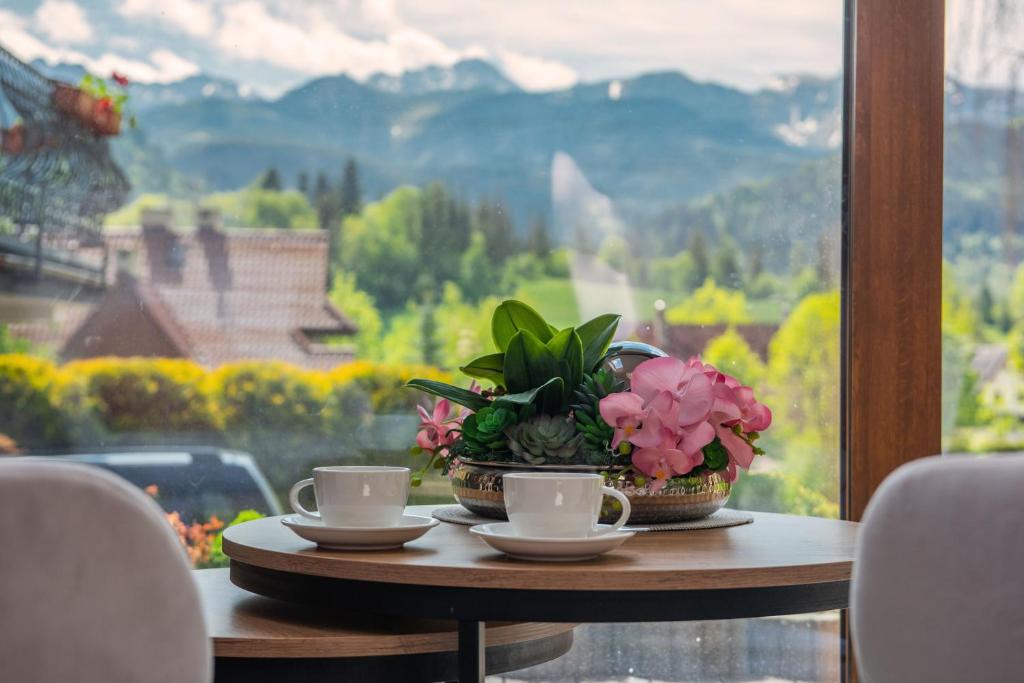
x=555, y=298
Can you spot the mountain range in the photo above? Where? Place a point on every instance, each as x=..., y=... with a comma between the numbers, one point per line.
x=639, y=147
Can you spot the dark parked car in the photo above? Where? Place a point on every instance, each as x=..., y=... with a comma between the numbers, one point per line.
x=195, y=482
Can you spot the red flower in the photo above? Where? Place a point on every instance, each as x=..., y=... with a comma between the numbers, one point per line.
x=120, y=79
x=105, y=105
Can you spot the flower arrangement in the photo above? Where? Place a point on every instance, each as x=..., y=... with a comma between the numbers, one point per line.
x=555, y=400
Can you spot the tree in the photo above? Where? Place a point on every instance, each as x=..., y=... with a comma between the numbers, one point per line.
x=987, y=305
x=381, y=246
x=824, y=270
x=350, y=198
x=324, y=202
x=726, y=268
x=615, y=253
x=709, y=305
x=360, y=309
x=271, y=180
x=803, y=391
x=428, y=334
x=730, y=353
x=698, y=249
x=539, y=240
x=445, y=232
x=303, y=183
x=756, y=265
x=11, y=344
x=674, y=274
x=257, y=208
x=495, y=223
x=476, y=274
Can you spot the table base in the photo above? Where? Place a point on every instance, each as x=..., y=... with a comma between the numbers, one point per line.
x=473, y=606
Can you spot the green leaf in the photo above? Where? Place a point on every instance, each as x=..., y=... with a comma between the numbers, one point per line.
x=458, y=395
x=596, y=335
x=528, y=362
x=527, y=397
x=490, y=367
x=512, y=316
x=567, y=348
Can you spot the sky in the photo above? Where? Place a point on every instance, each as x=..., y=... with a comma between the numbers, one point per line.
x=272, y=45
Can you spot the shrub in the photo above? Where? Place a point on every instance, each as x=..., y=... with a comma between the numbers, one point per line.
x=384, y=384
x=261, y=396
x=127, y=395
x=29, y=414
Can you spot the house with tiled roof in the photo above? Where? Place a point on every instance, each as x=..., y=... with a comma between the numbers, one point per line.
x=686, y=340
x=215, y=296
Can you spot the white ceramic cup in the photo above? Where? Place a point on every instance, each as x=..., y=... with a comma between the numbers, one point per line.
x=355, y=495
x=558, y=504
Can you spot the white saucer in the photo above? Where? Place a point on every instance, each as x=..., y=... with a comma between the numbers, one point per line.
x=409, y=528
x=500, y=537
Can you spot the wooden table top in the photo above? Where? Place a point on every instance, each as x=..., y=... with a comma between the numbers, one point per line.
x=245, y=625
x=776, y=550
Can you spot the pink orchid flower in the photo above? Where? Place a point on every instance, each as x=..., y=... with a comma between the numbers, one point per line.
x=437, y=430
x=624, y=412
x=666, y=457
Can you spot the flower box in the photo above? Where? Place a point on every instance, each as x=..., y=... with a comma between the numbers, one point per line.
x=98, y=115
x=671, y=434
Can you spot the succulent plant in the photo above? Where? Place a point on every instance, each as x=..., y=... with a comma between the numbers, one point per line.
x=536, y=364
x=596, y=432
x=543, y=437
x=484, y=431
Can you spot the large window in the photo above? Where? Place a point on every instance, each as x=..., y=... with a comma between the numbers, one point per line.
x=983, y=281
x=327, y=200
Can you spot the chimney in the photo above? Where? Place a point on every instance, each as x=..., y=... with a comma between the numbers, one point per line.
x=208, y=219
x=157, y=218
x=660, y=331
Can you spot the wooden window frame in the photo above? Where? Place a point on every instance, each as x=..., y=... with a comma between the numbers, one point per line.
x=891, y=375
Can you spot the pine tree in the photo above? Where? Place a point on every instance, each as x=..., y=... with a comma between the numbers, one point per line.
x=303, y=184
x=539, y=240
x=350, y=194
x=756, y=265
x=495, y=222
x=323, y=201
x=271, y=180
x=698, y=249
x=727, y=269
x=987, y=305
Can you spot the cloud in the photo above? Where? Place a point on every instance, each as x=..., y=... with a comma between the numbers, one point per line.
x=309, y=39
x=23, y=44
x=63, y=22
x=536, y=73
x=163, y=66
x=190, y=16
x=307, y=42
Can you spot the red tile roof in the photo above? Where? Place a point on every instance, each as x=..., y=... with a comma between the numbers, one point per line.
x=237, y=294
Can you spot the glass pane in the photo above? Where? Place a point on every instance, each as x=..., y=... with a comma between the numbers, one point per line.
x=983, y=207
x=299, y=207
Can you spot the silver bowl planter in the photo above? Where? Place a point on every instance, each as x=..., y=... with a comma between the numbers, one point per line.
x=478, y=487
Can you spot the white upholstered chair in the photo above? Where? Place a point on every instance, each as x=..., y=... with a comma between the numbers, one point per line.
x=94, y=586
x=938, y=583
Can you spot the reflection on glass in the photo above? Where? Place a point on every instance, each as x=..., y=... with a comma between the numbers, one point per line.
x=328, y=200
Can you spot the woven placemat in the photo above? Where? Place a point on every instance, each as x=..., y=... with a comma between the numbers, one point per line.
x=456, y=514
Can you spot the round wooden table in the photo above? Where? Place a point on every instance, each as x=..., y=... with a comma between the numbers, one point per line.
x=780, y=564
x=256, y=639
